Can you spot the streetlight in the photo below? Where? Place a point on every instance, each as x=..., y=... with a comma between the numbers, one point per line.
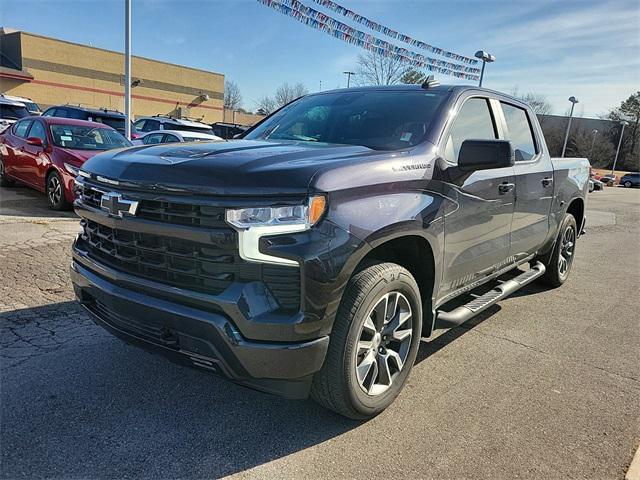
x=593, y=141
x=573, y=101
x=624, y=123
x=127, y=69
x=348, y=74
x=486, y=57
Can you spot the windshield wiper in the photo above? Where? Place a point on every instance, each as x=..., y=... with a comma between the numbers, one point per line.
x=300, y=138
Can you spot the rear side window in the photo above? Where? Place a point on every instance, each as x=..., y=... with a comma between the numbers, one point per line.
x=151, y=125
x=520, y=133
x=50, y=113
x=21, y=128
x=153, y=138
x=77, y=114
x=474, y=121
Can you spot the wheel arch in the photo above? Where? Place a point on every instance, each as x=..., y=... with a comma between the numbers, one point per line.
x=576, y=208
x=406, y=250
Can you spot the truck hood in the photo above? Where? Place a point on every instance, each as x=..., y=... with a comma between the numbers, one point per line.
x=239, y=167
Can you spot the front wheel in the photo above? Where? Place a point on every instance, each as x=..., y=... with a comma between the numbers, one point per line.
x=627, y=184
x=558, y=264
x=55, y=192
x=373, y=344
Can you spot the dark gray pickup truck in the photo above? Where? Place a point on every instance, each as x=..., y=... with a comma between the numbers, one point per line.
x=311, y=256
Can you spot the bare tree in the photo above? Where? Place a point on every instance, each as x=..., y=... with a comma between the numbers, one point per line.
x=286, y=93
x=374, y=69
x=599, y=152
x=232, y=95
x=539, y=103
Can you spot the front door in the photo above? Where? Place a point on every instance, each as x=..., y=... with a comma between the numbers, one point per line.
x=478, y=226
x=534, y=183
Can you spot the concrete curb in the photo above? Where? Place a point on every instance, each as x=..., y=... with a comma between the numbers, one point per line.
x=634, y=469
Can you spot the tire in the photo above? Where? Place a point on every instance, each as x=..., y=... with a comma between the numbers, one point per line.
x=54, y=189
x=4, y=181
x=559, y=263
x=384, y=358
x=628, y=184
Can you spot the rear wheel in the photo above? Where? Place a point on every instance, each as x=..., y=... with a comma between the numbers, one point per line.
x=627, y=184
x=558, y=264
x=374, y=342
x=4, y=181
x=55, y=192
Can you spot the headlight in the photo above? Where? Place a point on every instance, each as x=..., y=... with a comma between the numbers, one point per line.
x=71, y=169
x=254, y=223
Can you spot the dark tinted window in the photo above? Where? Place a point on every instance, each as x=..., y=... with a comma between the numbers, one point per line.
x=151, y=125
x=382, y=120
x=474, y=121
x=113, y=122
x=519, y=132
x=51, y=112
x=168, y=138
x=13, y=112
x=20, y=129
x=76, y=114
x=37, y=130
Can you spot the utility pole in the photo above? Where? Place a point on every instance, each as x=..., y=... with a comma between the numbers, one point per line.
x=127, y=68
x=348, y=74
x=573, y=101
x=624, y=123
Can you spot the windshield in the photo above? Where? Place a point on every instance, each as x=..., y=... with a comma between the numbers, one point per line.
x=13, y=112
x=381, y=120
x=78, y=137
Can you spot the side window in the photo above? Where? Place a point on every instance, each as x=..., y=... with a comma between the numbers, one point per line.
x=153, y=138
x=139, y=125
x=77, y=114
x=474, y=121
x=61, y=112
x=37, y=130
x=50, y=113
x=520, y=133
x=21, y=128
x=151, y=125
x=168, y=138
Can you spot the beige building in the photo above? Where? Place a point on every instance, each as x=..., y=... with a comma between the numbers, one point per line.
x=54, y=72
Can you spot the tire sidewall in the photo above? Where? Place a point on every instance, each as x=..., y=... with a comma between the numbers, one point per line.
x=392, y=281
x=627, y=184
x=62, y=204
x=569, y=220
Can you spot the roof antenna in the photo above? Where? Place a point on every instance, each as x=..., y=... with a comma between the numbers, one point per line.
x=430, y=82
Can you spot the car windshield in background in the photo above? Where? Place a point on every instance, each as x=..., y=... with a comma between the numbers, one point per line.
x=13, y=112
x=78, y=137
x=381, y=120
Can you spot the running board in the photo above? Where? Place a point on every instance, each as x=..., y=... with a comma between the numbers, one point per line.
x=481, y=303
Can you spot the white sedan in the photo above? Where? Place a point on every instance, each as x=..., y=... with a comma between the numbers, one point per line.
x=171, y=136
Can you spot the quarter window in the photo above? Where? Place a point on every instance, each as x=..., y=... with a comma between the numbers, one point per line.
x=519, y=130
x=474, y=121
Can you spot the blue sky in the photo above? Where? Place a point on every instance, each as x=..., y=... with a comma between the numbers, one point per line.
x=590, y=49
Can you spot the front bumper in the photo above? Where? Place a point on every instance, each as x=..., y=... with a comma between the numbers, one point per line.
x=195, y=337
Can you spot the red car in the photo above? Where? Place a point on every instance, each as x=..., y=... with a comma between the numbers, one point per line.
x=46, y=153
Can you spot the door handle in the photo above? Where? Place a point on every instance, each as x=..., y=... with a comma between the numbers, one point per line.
x=505, y=187
x=546, y=181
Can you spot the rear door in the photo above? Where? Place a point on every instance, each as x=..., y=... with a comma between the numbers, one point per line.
x=477, y=230
x=534, y=182
x=16, y=163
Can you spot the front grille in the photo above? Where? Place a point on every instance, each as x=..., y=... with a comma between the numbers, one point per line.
x=177, y=213
x=185, y=264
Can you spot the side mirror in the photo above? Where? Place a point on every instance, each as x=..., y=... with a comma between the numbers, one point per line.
x=35, y=141
x=485, y=154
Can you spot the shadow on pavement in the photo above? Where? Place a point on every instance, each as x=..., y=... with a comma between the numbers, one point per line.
x=22, y=201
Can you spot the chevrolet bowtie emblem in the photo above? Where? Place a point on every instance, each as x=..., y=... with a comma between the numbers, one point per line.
x=115, y=205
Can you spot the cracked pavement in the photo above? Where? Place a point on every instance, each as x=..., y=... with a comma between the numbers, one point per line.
x=543, y=385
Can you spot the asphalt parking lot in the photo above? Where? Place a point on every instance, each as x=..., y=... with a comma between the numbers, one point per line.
x=543, y=385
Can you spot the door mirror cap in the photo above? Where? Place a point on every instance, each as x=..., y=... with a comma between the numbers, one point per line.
x=485, y=154
x=35, y=141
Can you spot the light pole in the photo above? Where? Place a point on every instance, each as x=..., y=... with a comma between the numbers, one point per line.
x=573, y=101
x=624, y=123
x=593, y=141
x=348, y=74
x=486, y=57
x=127, y=68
